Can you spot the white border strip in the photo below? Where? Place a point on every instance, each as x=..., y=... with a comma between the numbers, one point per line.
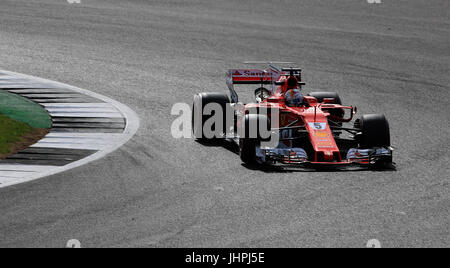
x=132, y=126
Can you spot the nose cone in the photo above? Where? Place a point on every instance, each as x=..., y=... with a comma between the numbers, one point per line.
x=321, y=136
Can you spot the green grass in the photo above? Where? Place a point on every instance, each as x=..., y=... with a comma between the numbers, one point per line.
x=18, y=118
x=24, y=110
x=11, y=131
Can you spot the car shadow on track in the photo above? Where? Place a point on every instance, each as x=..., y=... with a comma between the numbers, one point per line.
x=234, y=148
x=287, y=169
x=224, y=143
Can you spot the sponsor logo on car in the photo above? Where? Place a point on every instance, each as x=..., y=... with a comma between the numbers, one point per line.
x=321, y=134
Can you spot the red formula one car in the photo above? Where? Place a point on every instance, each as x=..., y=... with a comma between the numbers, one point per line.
x=283, y=126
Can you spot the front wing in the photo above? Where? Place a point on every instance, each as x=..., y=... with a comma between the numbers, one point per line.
x=299, y=157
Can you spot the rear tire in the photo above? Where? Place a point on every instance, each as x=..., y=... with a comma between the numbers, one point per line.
x=325, y=95
x=199, y=119
x=375, y=131
x=247, y=151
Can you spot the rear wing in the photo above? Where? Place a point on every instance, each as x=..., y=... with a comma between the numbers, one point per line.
x=269, y=76
x=250, y=77
x=253, y=76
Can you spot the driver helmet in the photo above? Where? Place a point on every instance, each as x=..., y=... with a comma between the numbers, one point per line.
x=293, y=96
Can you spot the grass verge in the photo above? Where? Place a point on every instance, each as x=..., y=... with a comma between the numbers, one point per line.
x=16, y=136
x=22, y=123
x=23, y=110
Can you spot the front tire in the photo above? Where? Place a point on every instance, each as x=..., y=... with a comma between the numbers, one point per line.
x=375, y=131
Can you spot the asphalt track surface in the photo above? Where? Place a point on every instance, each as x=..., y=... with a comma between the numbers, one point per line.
x=157, y=191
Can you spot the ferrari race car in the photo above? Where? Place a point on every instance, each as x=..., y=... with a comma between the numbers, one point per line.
x=284, y=127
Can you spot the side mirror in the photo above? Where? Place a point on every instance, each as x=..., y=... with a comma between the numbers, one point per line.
x=329, y=100
x=310, y=100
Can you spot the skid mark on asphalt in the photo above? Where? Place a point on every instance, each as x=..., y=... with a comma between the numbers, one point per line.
x=85, y=126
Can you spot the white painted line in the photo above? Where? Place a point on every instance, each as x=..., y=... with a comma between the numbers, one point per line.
x=76, y=146
x=108, y=136
x=37, y=86
x=87, y=114
x=51, y=95
x=80, y=110
x=16, y=174
x=77, y=105
x=103, y=140
x=51, y=140
x=72, y=142
x=132, y=125
x=5, y=181
x=12, y=81
x=29, y=168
